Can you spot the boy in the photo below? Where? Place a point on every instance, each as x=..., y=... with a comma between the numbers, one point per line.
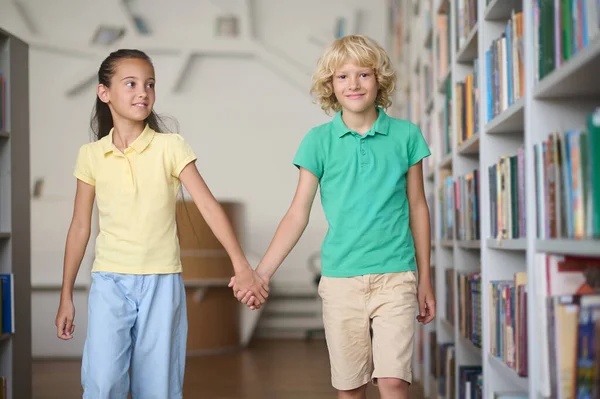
x=369, y=168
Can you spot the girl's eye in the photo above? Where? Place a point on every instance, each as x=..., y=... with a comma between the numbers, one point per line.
x=342, y=77
x=151, y=85
x=130, y=84
x=364, y=75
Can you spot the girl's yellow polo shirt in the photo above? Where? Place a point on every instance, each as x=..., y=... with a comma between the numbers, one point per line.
x=136, y=193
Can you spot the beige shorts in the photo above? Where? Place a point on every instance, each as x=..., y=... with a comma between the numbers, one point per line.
x=385, y=303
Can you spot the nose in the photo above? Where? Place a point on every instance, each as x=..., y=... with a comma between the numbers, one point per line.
x=354, y=83
x=142, y=93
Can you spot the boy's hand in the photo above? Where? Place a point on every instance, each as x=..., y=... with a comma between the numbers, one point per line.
x=64, y=320
x=248, y=283
x=426, y=300
x=249, y=299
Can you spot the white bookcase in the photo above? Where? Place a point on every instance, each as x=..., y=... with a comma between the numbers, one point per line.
x=15, y=252
x=560, y=101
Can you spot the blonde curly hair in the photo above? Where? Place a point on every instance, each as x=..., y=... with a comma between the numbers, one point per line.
x=363, y=51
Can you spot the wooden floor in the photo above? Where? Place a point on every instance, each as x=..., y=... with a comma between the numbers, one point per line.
x=266, y=370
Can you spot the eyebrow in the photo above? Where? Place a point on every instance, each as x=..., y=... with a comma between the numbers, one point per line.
x=133, y=77
x=343, y=71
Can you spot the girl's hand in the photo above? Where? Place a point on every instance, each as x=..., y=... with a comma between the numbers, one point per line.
x=426, y=300
x=247, y=283
x=64, y=320
x=249, y=298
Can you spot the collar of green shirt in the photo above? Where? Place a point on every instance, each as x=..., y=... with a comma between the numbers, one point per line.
x=138, y=145
x=381, y=125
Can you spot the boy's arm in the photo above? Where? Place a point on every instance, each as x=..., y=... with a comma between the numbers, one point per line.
x=292, y=225
x=289, y=231
x=246, y=279
x=419, y=225
x=77, y=240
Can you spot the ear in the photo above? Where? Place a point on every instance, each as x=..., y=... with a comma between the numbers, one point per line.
x=103, y=93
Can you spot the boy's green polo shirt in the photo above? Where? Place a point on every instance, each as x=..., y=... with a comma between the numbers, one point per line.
x=363, y=191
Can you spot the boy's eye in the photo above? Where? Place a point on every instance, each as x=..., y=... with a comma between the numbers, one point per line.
x=364, y=75
x=341, y=76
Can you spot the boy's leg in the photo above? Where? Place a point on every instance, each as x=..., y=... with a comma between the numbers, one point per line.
x=347, y=334
x=358, y=393
x=393, y=307
x=159, y=338
x=107, y=350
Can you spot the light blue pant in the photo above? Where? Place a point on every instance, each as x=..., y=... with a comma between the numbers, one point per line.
x=136, y=337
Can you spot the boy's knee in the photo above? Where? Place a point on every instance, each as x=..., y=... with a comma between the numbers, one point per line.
x=392, y=384
x=358, y=393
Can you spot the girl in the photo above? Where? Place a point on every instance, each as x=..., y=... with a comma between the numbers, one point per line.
x=137, y=325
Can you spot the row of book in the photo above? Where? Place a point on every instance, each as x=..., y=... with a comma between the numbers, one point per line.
x=442, y=39
x=443, y=363
x=445, y=122
x=469, y=307
x=446, y=204
x=568, y=326
x=397, y=30
x=466, y=11
x=508, y=322
x=416, y=108
x=449, y=295
x=2, y=102
x=507, y=196
x=7, y=305
x=467, y=106
x=505, y=71
x=466, y=206
x=567, y=176
x=459, y=206
x=561, y=29
x=429, y=163
x=468, y=289
x=427, y=77
x=428, y=12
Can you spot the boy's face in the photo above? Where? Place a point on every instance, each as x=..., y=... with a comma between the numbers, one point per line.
x=355, y=87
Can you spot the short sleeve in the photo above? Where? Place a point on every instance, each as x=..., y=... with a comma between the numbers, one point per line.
x=181, y=154
x=84, y=169
x=417, y=146
x=309, y=154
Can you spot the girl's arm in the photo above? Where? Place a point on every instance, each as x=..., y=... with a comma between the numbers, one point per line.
x=419, y=225
x=289, y=231
x=77, y=240
x=246, y=279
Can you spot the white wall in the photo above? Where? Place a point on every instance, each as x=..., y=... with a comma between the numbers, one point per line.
x=244, y=118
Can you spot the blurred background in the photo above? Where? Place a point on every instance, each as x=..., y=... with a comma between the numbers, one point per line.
x=233, y=77
x=504, y=92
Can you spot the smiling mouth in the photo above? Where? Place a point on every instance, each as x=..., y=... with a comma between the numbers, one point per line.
x=140, y=105
x=354, y=96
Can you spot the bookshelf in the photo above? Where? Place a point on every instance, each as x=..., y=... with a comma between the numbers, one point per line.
x=15, y=278
x=488, y=124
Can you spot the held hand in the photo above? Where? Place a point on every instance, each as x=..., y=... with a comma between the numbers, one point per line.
x=249, y=298
x=426, y=300
x=247, y=283
x=64, y=320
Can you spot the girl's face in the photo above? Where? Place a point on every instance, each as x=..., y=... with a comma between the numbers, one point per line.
x=131, y=93
x=355, y=87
